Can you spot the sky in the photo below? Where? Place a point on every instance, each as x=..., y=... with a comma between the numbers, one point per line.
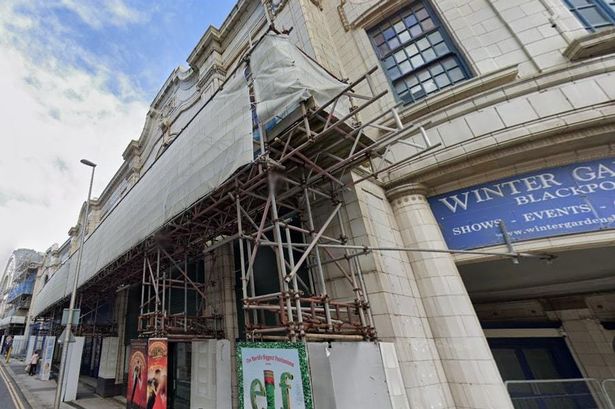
x=76, y=80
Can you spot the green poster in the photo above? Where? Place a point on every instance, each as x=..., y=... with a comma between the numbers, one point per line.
x=273, y=375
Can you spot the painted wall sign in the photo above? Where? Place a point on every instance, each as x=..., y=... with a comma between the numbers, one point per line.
x=563, y=200
x=273, y=375
x=136, y=390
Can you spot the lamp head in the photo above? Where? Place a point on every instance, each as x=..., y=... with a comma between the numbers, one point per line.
x=88, y=163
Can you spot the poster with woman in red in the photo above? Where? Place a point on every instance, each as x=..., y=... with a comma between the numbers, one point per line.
x=157, y=352
x=136, y=397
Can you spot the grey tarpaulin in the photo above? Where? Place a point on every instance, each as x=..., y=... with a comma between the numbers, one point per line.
x=284, y=76
x=215, y=144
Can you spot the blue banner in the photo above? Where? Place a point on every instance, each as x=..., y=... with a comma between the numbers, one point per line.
x=551, y=202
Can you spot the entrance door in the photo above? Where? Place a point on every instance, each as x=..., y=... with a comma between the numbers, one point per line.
x=180, y=360
x=527, y=359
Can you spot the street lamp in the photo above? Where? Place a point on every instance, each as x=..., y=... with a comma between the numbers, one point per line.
x=73, y=295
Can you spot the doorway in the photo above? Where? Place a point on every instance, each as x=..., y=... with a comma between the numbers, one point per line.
x=542, y=371
x=180, y=365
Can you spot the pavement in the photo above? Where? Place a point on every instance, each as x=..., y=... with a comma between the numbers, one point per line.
x=20, y=391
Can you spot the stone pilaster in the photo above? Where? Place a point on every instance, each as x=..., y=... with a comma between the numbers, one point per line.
x=468, y=364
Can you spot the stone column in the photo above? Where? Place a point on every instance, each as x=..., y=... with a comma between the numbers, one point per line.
x=467, y=361
x=394, y=298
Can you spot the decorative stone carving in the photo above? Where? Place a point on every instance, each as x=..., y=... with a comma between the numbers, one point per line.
x=317, y=3
x=343, y=17
x=276, y=6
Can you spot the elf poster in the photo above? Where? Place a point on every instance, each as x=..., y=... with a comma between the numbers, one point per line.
x=157, y=356
x=136, y=397
x=273, y=375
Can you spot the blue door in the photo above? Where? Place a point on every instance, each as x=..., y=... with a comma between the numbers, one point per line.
x=540, y=359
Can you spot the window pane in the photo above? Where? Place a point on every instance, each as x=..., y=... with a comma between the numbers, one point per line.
x=422, y=14
x=405, y=67
x=399, y=27
x=389, y=33
x=441, y=49
x=410, y=20
x=393, y=43
x=405, y=96
x=415, y=31
x=456, y=74
x=429, y=55
x=442, y=80
x=412, y=81
x=423, y=44
x=435, y=38
x=423, y=75
x=508, y=364
x=436, y=69
x=417, y=92
x=593, y=16
x=412, y=50
x=403, y=37
x=394, y=73
x=417, y=61
x=427, y=24
x=389, y=62
x=430, y=86
x=449, y=63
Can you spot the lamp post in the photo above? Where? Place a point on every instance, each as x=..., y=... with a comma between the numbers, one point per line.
x=73, y=295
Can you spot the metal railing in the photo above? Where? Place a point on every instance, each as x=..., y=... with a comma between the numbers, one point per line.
x=579, y=393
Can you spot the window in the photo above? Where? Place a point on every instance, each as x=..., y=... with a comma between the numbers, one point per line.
x=593, y=14
x=417, y=53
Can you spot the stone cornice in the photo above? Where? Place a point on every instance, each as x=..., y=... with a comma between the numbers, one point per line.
x=591, y=45
x=369, y=16
x=131, y=150
x=557, y=136
x=497, y=87
x=208, y=43
x=463, y=91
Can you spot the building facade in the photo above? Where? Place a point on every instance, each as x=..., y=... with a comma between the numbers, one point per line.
x=500, y=268
x=16, y=287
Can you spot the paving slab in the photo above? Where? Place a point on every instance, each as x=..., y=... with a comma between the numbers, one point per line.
x=40, y=394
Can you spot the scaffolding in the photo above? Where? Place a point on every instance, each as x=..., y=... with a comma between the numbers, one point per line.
x=284, y=203
x=270, y=204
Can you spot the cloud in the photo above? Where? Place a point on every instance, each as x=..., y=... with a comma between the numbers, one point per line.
x=100, y=13
x=57, y=106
